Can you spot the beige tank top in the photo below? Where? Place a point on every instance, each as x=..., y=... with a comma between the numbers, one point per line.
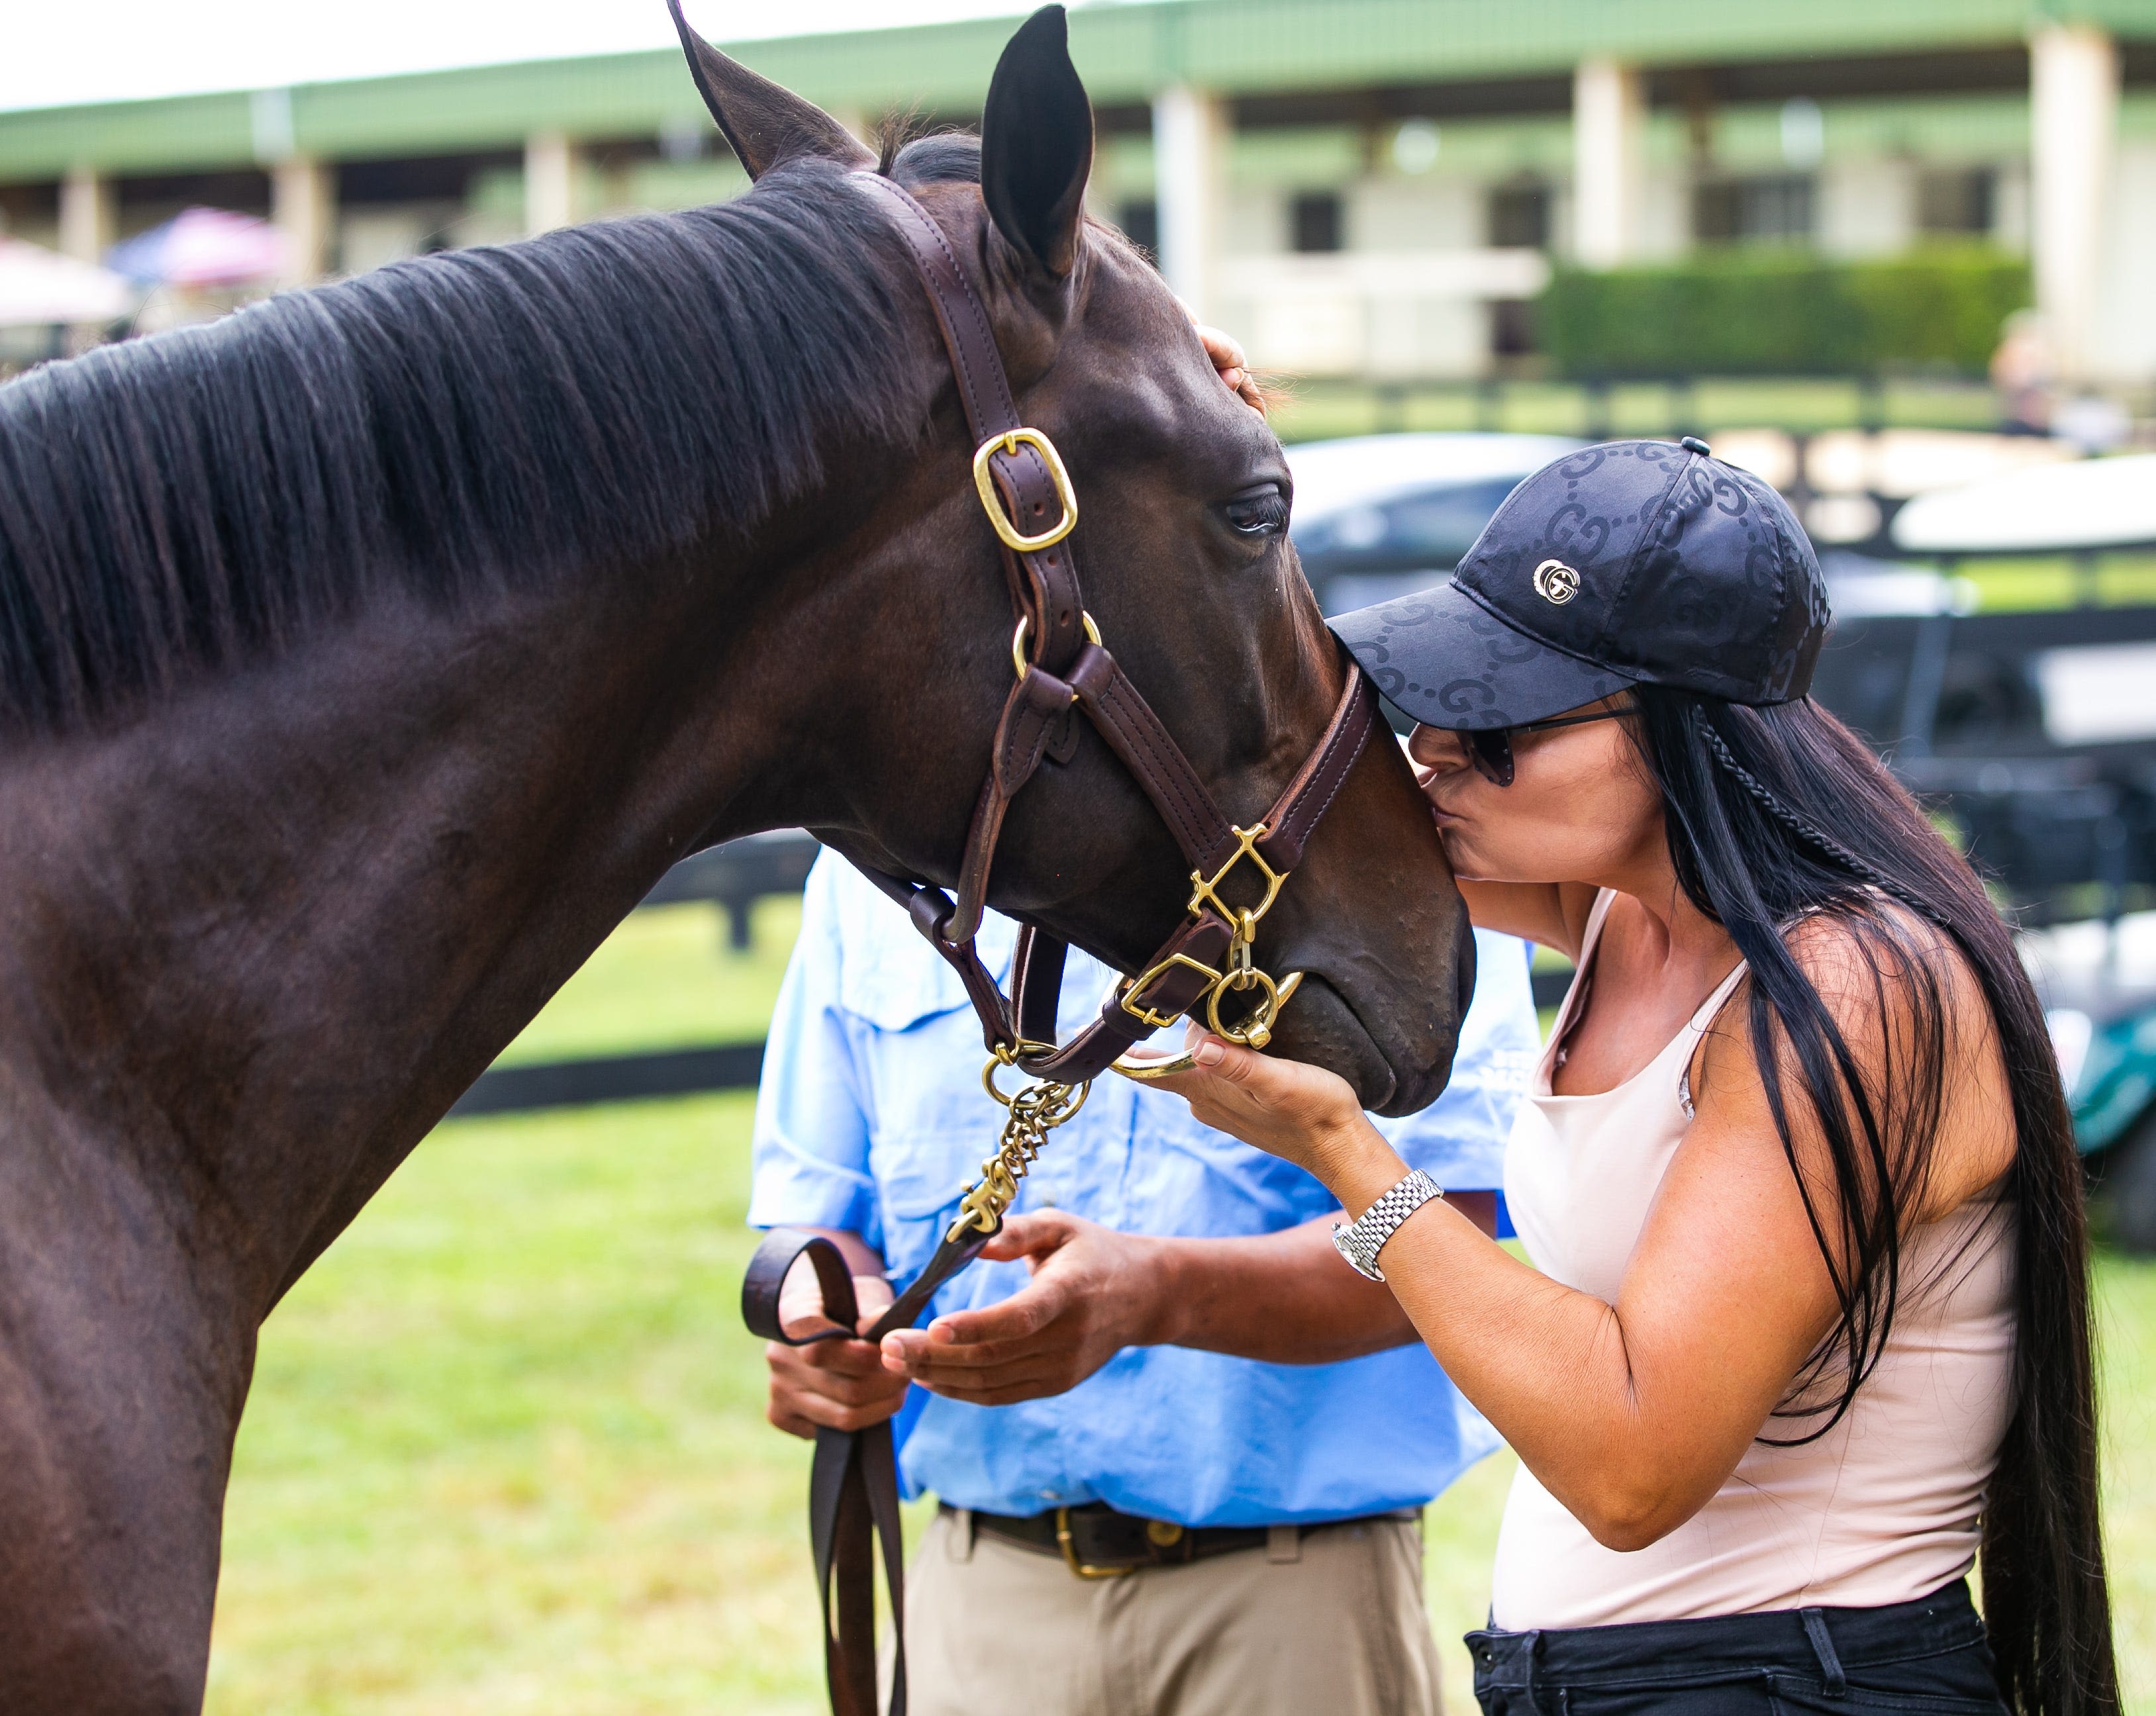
x=1881, y=1509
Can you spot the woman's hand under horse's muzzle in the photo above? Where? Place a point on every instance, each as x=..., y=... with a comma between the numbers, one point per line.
x=1301, y=1114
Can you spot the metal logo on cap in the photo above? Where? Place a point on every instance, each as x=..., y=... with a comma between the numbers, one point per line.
x=1556, y=582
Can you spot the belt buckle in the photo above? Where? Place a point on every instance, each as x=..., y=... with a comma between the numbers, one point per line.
x=1083, y=1570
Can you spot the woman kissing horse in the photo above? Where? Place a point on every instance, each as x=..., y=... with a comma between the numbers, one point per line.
x=365, y=657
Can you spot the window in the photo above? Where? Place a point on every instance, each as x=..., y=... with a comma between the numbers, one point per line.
x=1956, y=199
x=1512, y=327
x=1519, y=215
x=1140, y=220
x=1774, y=206
x=1315, y=222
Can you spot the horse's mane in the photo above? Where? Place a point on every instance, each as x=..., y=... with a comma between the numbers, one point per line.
x=454, y=425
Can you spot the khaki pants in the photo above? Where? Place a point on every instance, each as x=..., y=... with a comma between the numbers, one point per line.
x=1330, y=1625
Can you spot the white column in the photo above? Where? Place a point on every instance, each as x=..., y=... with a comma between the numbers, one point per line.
x=87, y=214
x=1190, y=160
x=550, y=181
x=1609, y=115
x=2073, y=124
x=303, y=203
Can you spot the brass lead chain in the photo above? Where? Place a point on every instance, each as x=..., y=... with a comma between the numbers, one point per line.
x=1035, y=1111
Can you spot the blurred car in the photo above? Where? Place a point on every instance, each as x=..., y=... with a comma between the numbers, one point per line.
x=2098, y=983
x=1377, y=516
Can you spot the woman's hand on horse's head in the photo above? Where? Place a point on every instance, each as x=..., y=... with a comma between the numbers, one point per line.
x=1287, y=1108
x=1234, y=367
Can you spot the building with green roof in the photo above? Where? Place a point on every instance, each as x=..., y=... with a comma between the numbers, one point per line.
x=1372, y=187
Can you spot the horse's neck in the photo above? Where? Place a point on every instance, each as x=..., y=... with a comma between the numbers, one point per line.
x=256, y=942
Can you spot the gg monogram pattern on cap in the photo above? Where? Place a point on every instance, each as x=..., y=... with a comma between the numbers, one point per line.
x=1630, y=561
x=1450, y=663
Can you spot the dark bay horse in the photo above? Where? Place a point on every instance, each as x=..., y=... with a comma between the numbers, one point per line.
x=365, y=657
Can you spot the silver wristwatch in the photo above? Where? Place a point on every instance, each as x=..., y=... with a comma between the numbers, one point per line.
x=1361, y=1240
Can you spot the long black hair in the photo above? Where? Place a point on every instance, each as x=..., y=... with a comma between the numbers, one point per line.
x=1781, y=813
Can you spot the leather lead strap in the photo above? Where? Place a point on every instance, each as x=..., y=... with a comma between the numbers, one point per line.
x=853, y=1480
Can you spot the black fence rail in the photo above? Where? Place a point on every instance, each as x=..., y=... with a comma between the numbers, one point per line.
x=603, y=1078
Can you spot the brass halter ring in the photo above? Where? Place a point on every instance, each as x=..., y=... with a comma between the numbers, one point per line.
x=1241, y=973
x=1017, y=641
x=1004, y=1056
x=1257, y=1030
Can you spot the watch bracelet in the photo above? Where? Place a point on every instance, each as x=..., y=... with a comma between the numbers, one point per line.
x=1360, y=1241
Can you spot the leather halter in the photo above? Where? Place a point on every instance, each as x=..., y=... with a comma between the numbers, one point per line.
x=1062, y=665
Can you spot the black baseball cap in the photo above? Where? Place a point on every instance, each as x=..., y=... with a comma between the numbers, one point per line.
x=1635, y=561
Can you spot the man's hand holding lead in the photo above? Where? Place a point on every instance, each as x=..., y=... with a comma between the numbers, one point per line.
x=837, y=1385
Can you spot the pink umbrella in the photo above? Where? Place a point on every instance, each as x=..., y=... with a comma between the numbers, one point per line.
x=202, y=247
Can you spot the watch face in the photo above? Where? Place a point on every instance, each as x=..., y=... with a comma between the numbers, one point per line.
x=1344, y=1241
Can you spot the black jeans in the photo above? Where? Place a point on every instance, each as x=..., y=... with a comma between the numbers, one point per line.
x=1926, y=1657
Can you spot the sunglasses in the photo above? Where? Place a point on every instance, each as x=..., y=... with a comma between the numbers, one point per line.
x=1490, y=749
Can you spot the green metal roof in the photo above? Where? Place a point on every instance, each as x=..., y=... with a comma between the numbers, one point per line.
x=1126, y=51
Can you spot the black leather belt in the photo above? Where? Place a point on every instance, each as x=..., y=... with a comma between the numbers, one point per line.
x=1096, y=1541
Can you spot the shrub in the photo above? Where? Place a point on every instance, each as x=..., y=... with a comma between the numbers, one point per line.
x=1760, y=311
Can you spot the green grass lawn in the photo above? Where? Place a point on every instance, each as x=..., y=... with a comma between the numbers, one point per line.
x=505, y=1450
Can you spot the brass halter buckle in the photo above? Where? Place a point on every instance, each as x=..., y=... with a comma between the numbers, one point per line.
x=1152, y=1019
x=1034, y=1111
x=985, y=485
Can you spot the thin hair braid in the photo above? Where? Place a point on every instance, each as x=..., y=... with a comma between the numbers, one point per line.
x=1815, y=837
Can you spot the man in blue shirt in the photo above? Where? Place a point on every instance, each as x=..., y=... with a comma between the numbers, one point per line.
x=1180, y=1446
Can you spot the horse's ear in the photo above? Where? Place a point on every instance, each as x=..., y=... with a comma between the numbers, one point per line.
x=1037, y=144
x=765, y=123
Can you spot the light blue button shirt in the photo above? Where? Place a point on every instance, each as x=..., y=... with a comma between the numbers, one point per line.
x=871, y=1119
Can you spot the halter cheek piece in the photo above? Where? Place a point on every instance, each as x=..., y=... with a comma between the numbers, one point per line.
x=1062, y=666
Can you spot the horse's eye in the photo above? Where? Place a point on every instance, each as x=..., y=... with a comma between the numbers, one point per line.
x=1261, y=512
